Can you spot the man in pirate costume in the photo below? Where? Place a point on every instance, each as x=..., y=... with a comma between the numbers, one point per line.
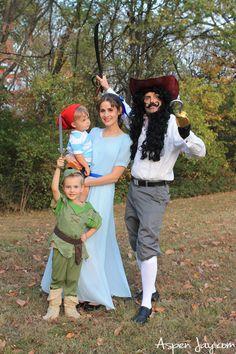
x=158, y=138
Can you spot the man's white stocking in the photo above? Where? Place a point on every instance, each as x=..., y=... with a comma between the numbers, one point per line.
x=148, y=274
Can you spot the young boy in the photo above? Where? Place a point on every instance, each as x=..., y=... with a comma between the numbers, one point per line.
x=76, y=222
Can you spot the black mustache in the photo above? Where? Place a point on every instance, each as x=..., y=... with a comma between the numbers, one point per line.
x=152, y=105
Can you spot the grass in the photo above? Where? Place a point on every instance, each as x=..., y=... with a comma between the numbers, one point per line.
x=196, y=280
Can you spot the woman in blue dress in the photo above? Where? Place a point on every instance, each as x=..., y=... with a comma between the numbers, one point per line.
x=102, y=274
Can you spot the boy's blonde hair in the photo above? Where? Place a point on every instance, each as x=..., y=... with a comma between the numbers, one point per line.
x=80, y=112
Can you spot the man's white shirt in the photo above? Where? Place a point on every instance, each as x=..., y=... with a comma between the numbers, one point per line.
x=174, y=144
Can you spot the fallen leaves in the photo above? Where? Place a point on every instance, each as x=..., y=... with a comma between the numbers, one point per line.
x=185, y=262
x=2, y=344
x=209, y=264
x=169, y=251
x=215, y=243
x=232, y=316
x=226, y=289
x=194, y=307
x=118, y=330
x=130, y=254
x=32, y=284
x=226, y=320
x=71, y=335
x=41, y=238
x=37, y=257
x=100, y=341
x=12, y=293
x=217, y=300
x=22, y=303
x=158, y=309
x=207, y=285
x=187, y=285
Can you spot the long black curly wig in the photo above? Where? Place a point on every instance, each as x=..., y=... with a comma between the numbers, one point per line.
x=157, y=124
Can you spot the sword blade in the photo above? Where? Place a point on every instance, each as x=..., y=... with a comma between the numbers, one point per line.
x=97, y=51
x=60, y=136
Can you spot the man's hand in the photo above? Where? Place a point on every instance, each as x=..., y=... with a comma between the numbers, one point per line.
x=103, y=82
x=182, y=119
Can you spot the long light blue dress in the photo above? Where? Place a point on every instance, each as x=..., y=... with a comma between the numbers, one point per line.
x=102, y=274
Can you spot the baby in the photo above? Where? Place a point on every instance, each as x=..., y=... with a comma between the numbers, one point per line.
x=79, y=147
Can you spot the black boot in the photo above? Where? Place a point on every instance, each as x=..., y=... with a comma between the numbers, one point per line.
x=142, y=315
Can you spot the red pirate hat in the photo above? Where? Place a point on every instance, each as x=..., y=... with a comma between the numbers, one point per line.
x=169, y=83
x=67, y=115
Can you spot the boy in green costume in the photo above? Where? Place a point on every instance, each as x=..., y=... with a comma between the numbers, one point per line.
x=76, y=222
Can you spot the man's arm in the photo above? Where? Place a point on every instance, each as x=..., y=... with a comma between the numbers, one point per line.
x=193, y=146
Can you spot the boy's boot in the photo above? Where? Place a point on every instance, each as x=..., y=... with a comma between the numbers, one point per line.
x=54, y=299
x=70, y=303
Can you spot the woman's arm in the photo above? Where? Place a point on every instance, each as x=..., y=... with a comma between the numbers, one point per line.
x=112, y=177
x=56, y=178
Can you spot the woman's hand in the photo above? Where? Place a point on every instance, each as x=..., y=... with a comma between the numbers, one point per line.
x=103, y=82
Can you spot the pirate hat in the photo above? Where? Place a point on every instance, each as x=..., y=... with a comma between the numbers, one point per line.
x=67, y=116
x=168, y=82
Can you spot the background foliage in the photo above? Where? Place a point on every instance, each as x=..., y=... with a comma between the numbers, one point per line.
x=47, y=61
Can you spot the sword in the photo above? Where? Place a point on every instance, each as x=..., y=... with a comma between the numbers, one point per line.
x=96, y=45
x=61, y=149
x=98, y=58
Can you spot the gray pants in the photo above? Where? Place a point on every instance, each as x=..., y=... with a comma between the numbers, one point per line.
x=144, y=212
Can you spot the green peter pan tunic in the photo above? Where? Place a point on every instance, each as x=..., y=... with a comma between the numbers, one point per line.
x=74, y=220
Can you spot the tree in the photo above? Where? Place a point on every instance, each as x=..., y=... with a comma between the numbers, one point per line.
x=48, y=44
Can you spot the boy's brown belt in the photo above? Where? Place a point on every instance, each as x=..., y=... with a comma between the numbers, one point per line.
x=76, y=243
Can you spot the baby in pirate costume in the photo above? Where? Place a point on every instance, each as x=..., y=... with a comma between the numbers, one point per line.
x=79, y=147
x=76, y=222
x=158, y=137
x=75, y=117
